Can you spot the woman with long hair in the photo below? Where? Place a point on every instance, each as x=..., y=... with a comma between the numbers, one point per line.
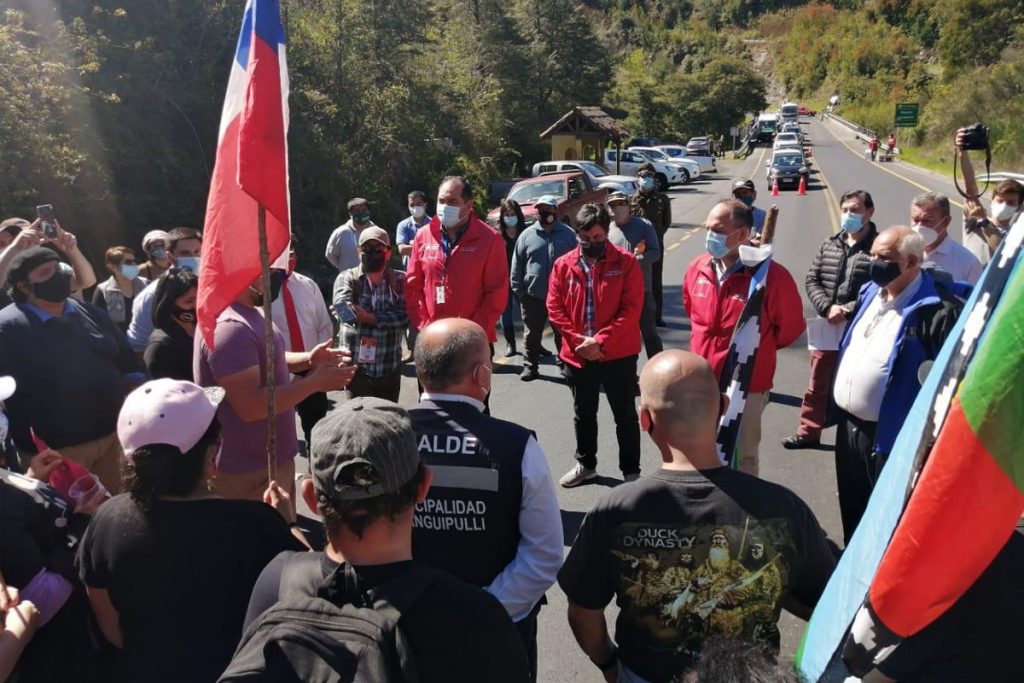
x=510, y=224
x=169, y=351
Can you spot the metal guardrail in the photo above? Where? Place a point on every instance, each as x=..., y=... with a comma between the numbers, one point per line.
x=861, y=131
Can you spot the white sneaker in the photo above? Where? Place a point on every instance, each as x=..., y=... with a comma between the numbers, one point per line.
x=631, y=477
x=576, y=476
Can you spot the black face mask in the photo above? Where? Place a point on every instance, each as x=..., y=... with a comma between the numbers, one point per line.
x=593, y=249
x=547, y=218
x=373, y=262
x=883, y=272
x=185, y=315
x=56, y=289
x=277, y=278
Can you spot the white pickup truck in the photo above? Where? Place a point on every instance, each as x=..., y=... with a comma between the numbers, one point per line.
x=704, y=161
x=599, y=177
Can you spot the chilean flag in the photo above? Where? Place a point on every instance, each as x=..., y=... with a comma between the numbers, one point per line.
x=251, y=167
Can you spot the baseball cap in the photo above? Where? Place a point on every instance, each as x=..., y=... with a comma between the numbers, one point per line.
x=27, y=261
x=167, y=411
x=547, y=200
x=7, y=387
x=356, y=201
x=744, y=184
x=374, y=233
x=154, y=236
x=617, y=197
x=14, y=225
x=364, y=449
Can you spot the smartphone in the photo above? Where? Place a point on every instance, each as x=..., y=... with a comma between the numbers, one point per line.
x=345, y=313
x=47, y=221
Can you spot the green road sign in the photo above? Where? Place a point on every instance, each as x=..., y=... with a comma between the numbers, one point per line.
x=906, y=115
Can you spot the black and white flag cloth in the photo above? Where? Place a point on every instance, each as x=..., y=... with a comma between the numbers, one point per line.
x=739, y=364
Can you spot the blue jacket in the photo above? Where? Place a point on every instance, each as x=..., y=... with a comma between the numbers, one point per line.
x=534, y=256
x=928, y=317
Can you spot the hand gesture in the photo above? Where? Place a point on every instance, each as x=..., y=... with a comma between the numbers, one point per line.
x=958, y=139
x=836, y=314
x=43, y=463
x=332, y=377
x=277, y=498
x=589, y=349
x=975, y=210
x=65, y=241
x=32, y=236
x=364, y=316
x=641, y=248
x=323, y=354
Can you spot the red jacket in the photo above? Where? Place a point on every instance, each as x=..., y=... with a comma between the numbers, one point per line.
x=619, y=297
x=474, y=277
x=714, y=311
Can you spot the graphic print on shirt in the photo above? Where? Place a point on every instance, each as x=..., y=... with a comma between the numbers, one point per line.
x=682, y=585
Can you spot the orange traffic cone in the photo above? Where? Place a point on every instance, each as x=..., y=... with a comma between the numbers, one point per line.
x=775, y=188
x=802, y=190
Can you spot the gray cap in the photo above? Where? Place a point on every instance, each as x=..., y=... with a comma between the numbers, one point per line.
x=374, y=233
x=364, y=449
x=618, y=197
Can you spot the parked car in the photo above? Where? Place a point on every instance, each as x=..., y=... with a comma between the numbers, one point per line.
x=804, y=111
x=572, y=189
x=599, y=177
x=644, y=142
x=794, y=128
x=699, y=145
x=787, y=166
x=786, y=139
x=630, y=162
x=691, y=168
x=705, y=162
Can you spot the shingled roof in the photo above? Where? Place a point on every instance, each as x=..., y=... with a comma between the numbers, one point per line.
x=587, y=120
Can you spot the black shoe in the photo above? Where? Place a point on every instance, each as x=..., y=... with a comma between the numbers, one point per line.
x=797, y=442
x=529, y=374
x=510, y=350
x=545, y=353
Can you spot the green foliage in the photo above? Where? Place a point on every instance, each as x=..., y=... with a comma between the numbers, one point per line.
x=976, y=32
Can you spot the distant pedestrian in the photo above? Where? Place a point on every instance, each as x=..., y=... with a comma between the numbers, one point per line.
x=637, y=236
x=185, y=245
x=158, y=258
x=405, y=233
x=116, y=294
x=343, y=245
x=745, y=191
x=656, y=208
x=511, y=224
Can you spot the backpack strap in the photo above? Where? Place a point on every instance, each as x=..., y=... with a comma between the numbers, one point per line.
x=392, y=597
x=301, y=576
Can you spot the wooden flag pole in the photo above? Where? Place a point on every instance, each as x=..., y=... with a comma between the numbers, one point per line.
x=768, y=233
x=268, y=339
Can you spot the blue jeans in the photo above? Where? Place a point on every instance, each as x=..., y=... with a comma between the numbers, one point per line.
x=508, y=318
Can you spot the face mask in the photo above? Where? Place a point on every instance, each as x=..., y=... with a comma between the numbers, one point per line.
x=361, y=218
x=159, y=253
x=417, y=211
x=185, y=315
x=129, y=271
x=717, y=245
x=372, y=263
x=928, y=235
x=510, y=221
x=746, y=199
x=54, y=290
x=593, y=249
x=1001, y=211
x=883, y=272
x=647, y=184
x=851, y=222
x=189, y=263
x=277, y=278
x=547, y=218
x=450, y=215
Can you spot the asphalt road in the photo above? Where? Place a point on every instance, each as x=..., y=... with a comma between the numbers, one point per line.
x=804, y=222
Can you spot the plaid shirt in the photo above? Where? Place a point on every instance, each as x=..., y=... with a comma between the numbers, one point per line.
x=387, y=302
x=589, y=312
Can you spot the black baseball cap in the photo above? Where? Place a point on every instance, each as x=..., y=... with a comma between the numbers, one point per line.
x=27, y=261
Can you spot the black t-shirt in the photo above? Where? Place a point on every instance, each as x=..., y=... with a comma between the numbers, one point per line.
x=695, y=554
x=180, y=577
x=169, y=354
x=977, y=638
x=457, y=632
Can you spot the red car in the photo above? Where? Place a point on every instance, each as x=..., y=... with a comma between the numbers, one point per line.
x=572, y=189
x=804, y=111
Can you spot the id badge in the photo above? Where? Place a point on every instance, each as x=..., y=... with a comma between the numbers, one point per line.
x=367, y=350
x=439, y=294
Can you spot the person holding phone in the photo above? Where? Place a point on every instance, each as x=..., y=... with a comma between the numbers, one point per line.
x=370, y=302
x=35, y=234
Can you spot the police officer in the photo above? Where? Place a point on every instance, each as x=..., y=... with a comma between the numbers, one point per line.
x=656, y=207
x=491, y=516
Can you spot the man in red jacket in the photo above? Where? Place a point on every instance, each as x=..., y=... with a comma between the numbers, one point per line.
x=715, y=290
x=457, y=267
x=595, y=295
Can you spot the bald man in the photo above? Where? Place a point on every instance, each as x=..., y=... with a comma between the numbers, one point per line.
x=695, y=550
x=491, y=516
x=900, y=322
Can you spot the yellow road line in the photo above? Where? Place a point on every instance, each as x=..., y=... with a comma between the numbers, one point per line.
x=882, y=167
x=831, y=201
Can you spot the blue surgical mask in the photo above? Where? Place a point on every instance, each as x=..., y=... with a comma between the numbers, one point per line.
x=746, y=199
x=130, y=271
x=159, y=253
x=716, y=244
x=449, y=215
x=851, y=222
x=511, y=221
x=647, y=184
x=189, y=263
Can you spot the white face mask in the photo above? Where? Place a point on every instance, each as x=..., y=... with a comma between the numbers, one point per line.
x=1001, y=211
x=928, y=235
x=449, y=215
x=417, y=211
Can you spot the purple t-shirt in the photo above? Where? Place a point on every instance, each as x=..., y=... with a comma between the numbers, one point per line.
x=239, y=341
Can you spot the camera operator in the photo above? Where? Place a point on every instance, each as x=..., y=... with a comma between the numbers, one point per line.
x=983, y=231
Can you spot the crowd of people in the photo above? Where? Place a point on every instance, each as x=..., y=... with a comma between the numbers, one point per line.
x=145, y=538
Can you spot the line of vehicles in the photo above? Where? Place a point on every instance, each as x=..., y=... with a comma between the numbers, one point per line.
x=578, y=182
x=789, y=161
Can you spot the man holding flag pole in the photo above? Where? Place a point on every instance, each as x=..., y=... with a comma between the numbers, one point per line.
x=247, y=228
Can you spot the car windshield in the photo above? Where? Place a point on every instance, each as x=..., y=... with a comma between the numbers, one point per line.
x=531, y=192
x=592, y=168
x=788, y=160
x=653, y=154
x=786, y=137
x=674, y=151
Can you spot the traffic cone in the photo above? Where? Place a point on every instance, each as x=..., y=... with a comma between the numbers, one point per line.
x=775, y=188
x=802, y=190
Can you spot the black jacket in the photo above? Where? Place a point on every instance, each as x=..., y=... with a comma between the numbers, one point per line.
x=839, y=271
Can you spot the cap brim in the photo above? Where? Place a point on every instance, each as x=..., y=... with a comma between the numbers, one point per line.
x=7, y=387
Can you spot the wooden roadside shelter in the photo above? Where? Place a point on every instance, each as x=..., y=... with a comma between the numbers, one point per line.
x=583, y=133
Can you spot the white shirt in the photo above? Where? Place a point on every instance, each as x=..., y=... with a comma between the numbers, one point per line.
x=864, y=369
x=956, y=260
x=141, y=325
x=310, y=308
x=520, y=586
x=343, y=245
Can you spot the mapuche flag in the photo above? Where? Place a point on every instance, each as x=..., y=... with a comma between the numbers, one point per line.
x=251, y=168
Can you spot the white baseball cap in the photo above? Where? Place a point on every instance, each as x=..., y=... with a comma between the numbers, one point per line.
x=7, y=387
x=167, y=411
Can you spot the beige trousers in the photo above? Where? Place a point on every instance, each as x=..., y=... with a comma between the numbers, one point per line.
x=251, y=485
x=750, y=432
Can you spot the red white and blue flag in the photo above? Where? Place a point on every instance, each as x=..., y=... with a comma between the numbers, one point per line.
x=251, y=168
